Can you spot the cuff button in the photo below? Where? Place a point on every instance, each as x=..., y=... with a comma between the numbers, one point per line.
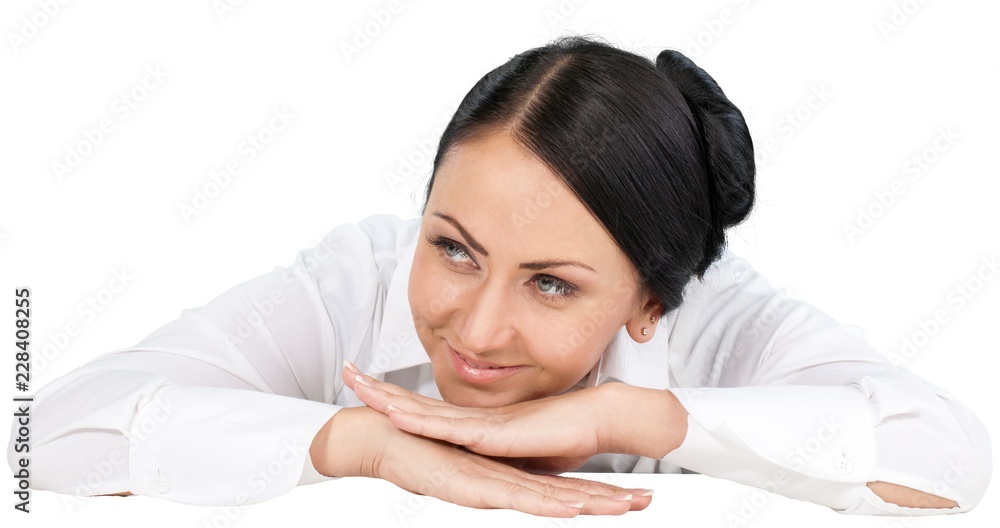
x=844, y=466
x=162, y=484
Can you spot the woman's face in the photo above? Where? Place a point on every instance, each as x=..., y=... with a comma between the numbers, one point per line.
x=516, y=289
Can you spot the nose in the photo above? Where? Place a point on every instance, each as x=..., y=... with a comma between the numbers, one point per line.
x=485, y=323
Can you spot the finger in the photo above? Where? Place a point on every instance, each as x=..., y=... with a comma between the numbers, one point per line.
x=353, y=379
x=641, y=498
x=380, y=396
x=592, y=504
x=375, y=397
x=615, y=504
x=484, y=435
x=478, y=492
x=392, y=388
x=349, y=365
x=369, y=394
x=348, y=376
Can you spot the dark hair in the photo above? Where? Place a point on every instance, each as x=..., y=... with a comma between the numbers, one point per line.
x=656, y=152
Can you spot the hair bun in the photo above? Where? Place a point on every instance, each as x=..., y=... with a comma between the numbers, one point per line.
x=725, y=143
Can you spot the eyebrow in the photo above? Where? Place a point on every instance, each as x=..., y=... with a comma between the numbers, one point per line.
x=465, y=234
x=535, y=265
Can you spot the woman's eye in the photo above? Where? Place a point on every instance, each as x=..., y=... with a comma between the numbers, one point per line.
x=553, y=287
x=452, y=250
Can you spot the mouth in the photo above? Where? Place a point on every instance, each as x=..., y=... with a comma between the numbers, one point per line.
x=480, y=372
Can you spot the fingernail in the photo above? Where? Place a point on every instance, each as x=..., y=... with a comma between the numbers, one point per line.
x=576, y=505
x=361, y=379
x=624, y=497
x=642, y=492
x=395, y=410
x=350, y=366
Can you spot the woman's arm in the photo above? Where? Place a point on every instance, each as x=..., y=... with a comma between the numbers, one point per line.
x=228, y=403
x=775, y=387
x=220, y=405
x=652, y=423
x=359, y=441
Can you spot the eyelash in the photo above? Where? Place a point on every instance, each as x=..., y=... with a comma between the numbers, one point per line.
x=443, y=244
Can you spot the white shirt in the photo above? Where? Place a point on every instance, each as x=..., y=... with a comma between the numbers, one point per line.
x=220, y=405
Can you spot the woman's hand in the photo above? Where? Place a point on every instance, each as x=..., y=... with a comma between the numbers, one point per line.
x=360, y=441
x=558, y=433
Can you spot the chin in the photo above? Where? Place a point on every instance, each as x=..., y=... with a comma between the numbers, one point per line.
x=474, y=398
x=464, y=396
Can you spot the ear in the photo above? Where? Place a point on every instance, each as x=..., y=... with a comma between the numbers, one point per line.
x=647, y=317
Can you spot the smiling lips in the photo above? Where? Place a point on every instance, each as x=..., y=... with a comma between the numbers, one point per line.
x=479, y=372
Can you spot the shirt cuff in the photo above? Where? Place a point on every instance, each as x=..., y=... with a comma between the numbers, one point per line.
x=214, y=446
x=814, y=443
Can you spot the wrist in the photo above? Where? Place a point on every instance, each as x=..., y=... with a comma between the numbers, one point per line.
x=641, y=421
x=350, y=443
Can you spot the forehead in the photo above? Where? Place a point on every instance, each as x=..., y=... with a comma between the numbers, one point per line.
x=513, y=204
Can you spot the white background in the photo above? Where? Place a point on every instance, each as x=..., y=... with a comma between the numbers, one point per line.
x=896, y=74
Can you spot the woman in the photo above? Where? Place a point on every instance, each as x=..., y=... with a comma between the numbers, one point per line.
x=565, y=301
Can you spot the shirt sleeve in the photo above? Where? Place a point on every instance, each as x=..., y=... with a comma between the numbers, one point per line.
x=219, y=406
x=782, y=397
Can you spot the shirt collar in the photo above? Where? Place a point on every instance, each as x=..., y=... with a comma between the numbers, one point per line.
x=624, y=360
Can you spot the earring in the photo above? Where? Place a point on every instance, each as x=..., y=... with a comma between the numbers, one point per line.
x=644, y=331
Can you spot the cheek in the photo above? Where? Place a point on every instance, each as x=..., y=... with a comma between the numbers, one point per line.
x=583, y=340
x=430, y=292
x=568, y=349
x=418, y=291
